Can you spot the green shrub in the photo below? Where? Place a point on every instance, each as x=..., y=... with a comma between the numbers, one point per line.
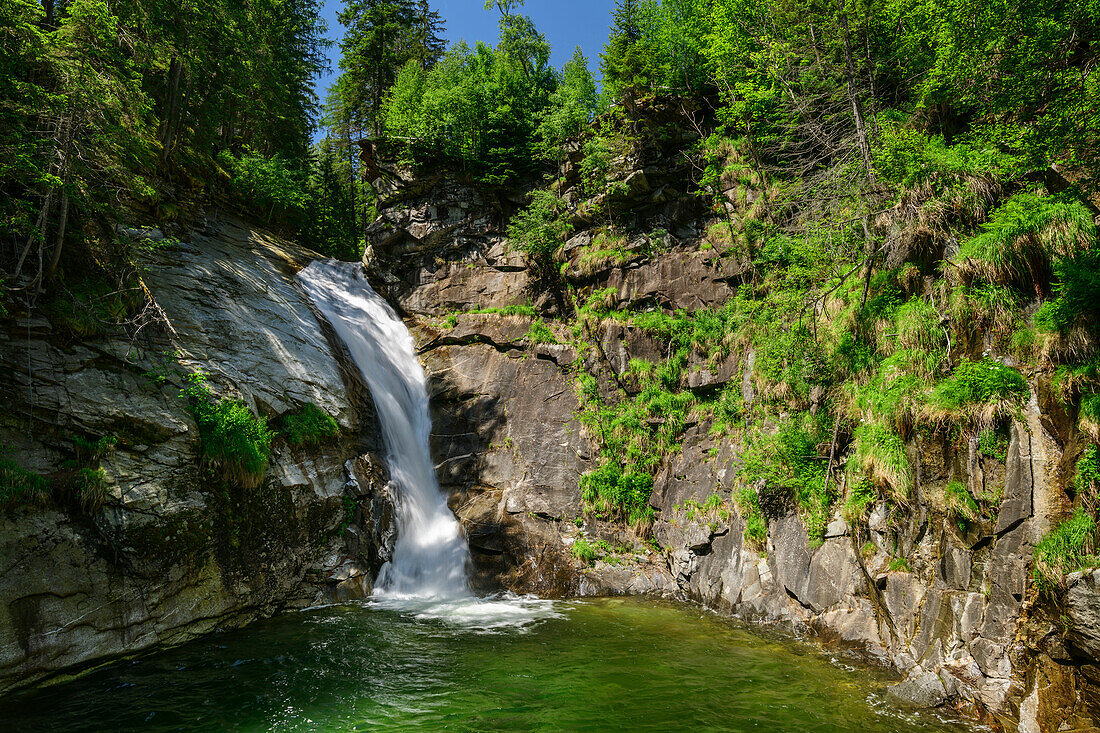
x=899, y=565
x=90, y=451
x=234, y=441
x=522, y=309
x=979, y=382
x=880, y=455
x=584, y=551
x=1087, y=476
x=993, y=444
x=613, y=492
x=756, y=528
x=267, y=183
x=309, y=425
x=1067, y=548
x=540, y=333
x=918, y=327
x=787, y=464
x=1076, y=294
x=861, y=494
x=20, y=487
x=1024, y=237
x=540, y=229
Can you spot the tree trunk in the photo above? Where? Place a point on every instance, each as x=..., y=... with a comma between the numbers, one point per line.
x=853, y=95
x=172, y=107
x=62, y=221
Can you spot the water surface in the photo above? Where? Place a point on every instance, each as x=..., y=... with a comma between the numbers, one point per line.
x=466, y=665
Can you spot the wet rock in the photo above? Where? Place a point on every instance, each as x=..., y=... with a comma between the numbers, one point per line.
x=924, y=690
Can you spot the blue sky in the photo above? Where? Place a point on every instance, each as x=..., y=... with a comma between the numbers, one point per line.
x=565, y=23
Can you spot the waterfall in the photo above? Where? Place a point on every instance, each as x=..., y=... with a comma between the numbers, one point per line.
x=430, y=555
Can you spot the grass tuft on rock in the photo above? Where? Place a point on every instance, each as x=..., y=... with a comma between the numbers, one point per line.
x=309, y=425
x=20, y=487
x=235, y=442
x=1069, y=547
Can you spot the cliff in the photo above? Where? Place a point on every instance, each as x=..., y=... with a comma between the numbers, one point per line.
x=518, y=360
x=140, y=541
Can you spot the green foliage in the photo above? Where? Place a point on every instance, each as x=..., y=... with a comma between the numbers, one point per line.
x=90, y=451
x=610, y=491
x=584, y=551
x=899, y=565
x=787, y=464
x=107, y=106
x=879, y=455
x=1087, y=477
x=572, y=106
x=508, y=310
x=1076, y=298
x=756, y=528
x=1068, y=547
x=540, y=333
x=309, y=425
x=479, y=108
x=267, y=183
x=910, y=157
x=540, y=229
x=234, y=440
x=19, y=486
x=993, y=444
x=1024, y=237
x=90, y=485
x=978, y=383
x=860, y=496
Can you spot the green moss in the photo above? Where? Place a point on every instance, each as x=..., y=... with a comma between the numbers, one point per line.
x=309, y=425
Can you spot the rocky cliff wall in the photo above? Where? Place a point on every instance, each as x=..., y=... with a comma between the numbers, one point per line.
x=959, y=619
x=174, y=551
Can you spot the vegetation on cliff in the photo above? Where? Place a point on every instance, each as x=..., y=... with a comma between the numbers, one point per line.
x=904, y=195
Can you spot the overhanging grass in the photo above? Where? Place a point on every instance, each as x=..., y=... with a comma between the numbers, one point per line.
x=1024, y=237
x=1069, y=547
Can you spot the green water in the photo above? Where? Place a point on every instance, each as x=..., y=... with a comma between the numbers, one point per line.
x=519, y=665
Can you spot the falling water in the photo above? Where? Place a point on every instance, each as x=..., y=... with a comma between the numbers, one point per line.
x=430, y=555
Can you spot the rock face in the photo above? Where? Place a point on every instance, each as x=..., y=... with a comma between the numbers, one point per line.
x=174, y=552
x=956, y=620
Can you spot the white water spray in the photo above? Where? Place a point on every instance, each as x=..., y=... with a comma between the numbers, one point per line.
x=430, y=555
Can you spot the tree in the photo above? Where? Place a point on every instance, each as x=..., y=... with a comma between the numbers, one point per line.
x=571, y=107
